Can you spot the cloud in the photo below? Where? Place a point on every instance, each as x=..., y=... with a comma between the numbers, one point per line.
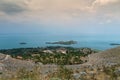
x=43, y=10
x=59, y=11
x=104, y=2
x=106, y=10
x=110, y=6
x=10, y=8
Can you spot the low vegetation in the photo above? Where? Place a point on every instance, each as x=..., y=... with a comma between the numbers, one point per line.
x=51, y=55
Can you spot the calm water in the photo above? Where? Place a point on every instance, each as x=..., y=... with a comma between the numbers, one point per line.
x=8, y=41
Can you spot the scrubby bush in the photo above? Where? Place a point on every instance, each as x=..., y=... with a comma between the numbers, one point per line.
x=62, y=73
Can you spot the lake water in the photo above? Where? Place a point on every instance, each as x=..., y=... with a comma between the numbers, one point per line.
x=9, y=41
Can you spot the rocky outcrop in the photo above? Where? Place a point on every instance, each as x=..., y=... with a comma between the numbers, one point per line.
x=106, y=58
x=10, y=64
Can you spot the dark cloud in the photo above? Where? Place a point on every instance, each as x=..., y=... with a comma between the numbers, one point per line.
x=11, y=8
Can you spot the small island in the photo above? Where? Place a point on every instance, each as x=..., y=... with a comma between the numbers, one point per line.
x=114, y=44
x=63, y=42
x=22, y=43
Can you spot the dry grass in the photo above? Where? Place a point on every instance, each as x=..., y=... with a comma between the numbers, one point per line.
x=62, y=73
x=23, y=74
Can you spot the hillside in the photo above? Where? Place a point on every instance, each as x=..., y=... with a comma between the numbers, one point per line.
x=7, y=63
x=105, y=58
x=103, y=65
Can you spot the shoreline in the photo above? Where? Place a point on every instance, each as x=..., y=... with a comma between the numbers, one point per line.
x=51, y=47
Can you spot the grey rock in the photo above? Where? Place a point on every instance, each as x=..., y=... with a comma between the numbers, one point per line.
x=106, y=58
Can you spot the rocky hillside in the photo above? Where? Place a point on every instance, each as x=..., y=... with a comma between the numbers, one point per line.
x=105, y=58
x=99, y=66
x=7, y=63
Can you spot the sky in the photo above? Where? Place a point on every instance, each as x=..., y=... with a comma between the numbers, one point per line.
x=60, y=17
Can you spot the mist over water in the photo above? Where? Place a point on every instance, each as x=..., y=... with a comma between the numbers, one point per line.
x=100, y=42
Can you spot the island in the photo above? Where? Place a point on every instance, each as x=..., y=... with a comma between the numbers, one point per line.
x=70, y=42
x=22, y=43
x=114, y=44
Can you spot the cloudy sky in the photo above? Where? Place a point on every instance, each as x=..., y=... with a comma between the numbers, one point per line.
x=60, y=16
